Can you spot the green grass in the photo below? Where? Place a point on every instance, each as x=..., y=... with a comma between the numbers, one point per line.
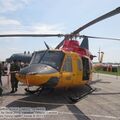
x=110, y=73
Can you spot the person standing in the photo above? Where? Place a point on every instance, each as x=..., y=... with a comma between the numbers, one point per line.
x=14, y=68
x=8, y=73
x=1, y=79
x=1, y=71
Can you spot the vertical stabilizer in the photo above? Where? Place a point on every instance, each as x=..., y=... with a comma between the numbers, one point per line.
x=85, y=43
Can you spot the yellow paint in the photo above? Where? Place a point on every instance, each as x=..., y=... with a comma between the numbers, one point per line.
x=66, y=79
x=36, y=80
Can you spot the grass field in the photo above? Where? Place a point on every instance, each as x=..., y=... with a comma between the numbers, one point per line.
x=101, y=70
x=110, y=73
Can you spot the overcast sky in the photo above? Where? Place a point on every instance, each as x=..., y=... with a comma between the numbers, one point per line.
x=58, y=16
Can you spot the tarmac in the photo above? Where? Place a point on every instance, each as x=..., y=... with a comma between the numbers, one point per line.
x=102, y=104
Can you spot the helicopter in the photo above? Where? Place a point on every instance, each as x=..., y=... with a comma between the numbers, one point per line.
x=69, y=65
x=22, y=57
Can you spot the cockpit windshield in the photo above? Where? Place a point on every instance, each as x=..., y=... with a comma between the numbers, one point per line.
x=51, y=58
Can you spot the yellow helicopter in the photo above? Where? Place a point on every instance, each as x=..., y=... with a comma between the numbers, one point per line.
x=69, y=65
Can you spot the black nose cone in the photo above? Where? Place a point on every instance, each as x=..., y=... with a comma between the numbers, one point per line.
x=38, y=69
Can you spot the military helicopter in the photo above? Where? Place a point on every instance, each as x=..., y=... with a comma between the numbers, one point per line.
x=22, y=57
x=69, y=65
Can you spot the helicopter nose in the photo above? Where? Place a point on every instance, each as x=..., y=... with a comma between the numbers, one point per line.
x=38, y=74
x=37, y=69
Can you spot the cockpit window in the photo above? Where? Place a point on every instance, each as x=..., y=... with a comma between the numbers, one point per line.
x=52, y=58
x=36, y=57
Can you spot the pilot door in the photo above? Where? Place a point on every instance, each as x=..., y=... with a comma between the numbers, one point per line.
x=67, y=72
x=86, y=69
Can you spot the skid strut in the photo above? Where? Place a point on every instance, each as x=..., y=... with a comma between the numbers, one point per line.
x=38, y=90
x=78, y=97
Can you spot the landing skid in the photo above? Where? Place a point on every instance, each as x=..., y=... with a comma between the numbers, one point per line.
x=76, y=96
x=37, y=91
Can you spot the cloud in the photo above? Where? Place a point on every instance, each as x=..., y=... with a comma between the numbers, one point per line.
x=12, y=5
x=11, y=26
x=8, y=25
x=5, y=22
x=47, y=28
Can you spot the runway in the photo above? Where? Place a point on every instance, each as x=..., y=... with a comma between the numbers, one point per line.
x=102, y=104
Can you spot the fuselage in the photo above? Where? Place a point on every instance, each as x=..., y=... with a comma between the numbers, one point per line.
x=56, y=69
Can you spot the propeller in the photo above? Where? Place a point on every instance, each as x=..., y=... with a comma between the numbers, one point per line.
x=105, y=16
x=31, y=35
x=85, y=42
x=94, y=37
x=74, y=33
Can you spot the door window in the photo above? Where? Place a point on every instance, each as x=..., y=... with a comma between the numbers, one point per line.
x=67, y=64
x=86, y=68
x=79, y=64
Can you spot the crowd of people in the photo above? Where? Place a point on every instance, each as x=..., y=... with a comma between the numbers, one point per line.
x=10, y=69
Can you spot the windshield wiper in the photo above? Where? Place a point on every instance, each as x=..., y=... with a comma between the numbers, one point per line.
x=43, y=55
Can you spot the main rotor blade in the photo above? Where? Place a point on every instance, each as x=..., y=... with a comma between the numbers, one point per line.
x=107, y=38
x=31, y=35
x=105, y=16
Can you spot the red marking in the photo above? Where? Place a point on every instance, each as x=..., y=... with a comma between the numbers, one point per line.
x=73, y=45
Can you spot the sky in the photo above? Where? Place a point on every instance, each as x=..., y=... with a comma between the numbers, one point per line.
x=58, y=16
